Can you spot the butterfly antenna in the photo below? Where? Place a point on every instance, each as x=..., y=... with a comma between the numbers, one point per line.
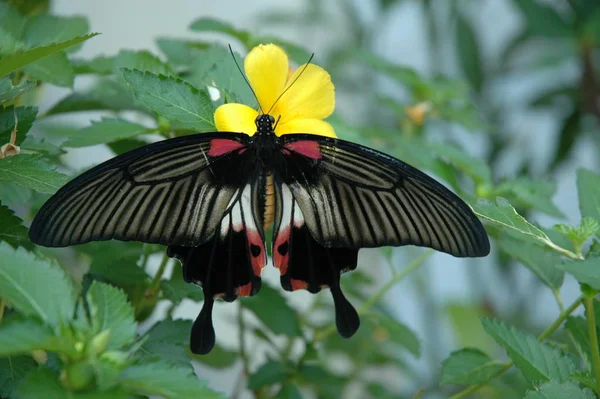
x=294, y=81
x=246, y=79
x=276, y=122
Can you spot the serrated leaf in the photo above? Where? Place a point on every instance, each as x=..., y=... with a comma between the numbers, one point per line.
x=537, y=361
x=503, y=214
x=142, y=60
x=397, y=333
x=585, y=271
x=14, y=195
x=25, y=118
x=535, y=194
x=36, y=287
x=557, y=390
x=100, y=65
x=12, y=371
x=9, y=92
x=109, y=310
x=577, y=326
x=12, y=62
x=540, y=260
x=45, y=29
x=588, y=191
x=585, y=378
x=215, y=25
x=172, y=98
x=11, y=228
x=478, y=170
x=105, y=95
x=105, y=131
x=11, y=20
x=176, y=289
x=31, y=171
x=469, y=55
x=269, y=373
x=116, y=261
x=171, y=382
x=468, y=367
x=55, y=69
x=272, y=309
x=19, y=337
x=180, y=52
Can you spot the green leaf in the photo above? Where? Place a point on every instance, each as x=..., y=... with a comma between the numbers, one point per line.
x=504, y=215
x=109, y=310
x=180, y=52
x=176, y=289
x=535, y=194
x=31, y=171
x=544, y=20
x=141, y=60
x=585, y=271
x=557, y=390
x=9, y=92
x=116, y=261
x=540, y=260
x=397, y=333
x=577, y=326
x=12, y=62
x=23, y=336
x=171, y=382
x=36, y=287
x=289, y=391
x=588, y=191
x=55, y=69
x=25, y=118
x=11, y=20
x=468, y=367
x=100, y=65
x=269, y=373
x=45, y=29
x=12, y=371
x=14, y=195
x=537, y=361
x=105, y=131
x=172, y=98
x=478, y=170
x=11, y=228
x=272, y=309
x=214, y=25
x=469, y=55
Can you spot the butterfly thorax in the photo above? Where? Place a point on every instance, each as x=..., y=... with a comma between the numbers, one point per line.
x=266, y=147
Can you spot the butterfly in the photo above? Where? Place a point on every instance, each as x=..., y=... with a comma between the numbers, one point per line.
x=210, y=197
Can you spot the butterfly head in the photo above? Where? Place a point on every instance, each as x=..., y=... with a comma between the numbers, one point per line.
x=265, y=124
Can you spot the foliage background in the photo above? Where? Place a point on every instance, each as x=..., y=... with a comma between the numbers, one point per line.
x=513, y=85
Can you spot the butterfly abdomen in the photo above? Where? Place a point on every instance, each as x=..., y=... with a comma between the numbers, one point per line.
x=269, y=202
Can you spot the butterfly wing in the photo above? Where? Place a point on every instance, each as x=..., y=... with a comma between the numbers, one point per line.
x=352, y=196
x=228, y=265
x=172, y=192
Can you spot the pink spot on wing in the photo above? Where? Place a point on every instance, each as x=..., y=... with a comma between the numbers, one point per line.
x=258, y=262
x=298, y=284
x=244, y=290
x=281, y=261
x=223, y=146
x=305, y=147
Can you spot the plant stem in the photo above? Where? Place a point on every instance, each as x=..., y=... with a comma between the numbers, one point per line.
x=506, y=366
x=375, y=298
x=243, y=354
x=2, y=307
x=559, y=301
x=154, y=286
x=591, y=317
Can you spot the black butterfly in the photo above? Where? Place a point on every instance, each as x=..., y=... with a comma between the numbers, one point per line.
x=211, y=197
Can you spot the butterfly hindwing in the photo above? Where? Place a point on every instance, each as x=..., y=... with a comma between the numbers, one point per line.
x=226, y=266
x=169, y=192
x=305, y=264
x=355, y=197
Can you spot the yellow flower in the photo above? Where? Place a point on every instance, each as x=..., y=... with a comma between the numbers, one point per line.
x=302, y=107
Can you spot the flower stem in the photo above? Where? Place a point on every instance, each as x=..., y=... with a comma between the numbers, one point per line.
x=155, y=285
x=506, y=366
x=375, y=298
x=591, y=317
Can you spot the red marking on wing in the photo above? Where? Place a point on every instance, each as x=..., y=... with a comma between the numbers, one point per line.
x=298, y=284
x=244, y=290
x=258, y=262
x=281, y=261
x=307, y=148
x=223, y=146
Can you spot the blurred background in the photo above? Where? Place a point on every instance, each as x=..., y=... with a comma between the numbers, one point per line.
x=514, y=84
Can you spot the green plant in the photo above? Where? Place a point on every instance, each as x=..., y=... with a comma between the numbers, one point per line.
x=68, y=317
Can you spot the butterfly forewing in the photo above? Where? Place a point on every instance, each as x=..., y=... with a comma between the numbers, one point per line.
x=354, y=197
x=170, y=192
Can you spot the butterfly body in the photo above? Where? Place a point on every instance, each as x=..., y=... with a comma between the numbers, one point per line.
x=211, y=197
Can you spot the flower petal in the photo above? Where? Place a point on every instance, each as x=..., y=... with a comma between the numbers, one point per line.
x=312, y=96
x=235, y=118
x=312, y=126
x=267, y=68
